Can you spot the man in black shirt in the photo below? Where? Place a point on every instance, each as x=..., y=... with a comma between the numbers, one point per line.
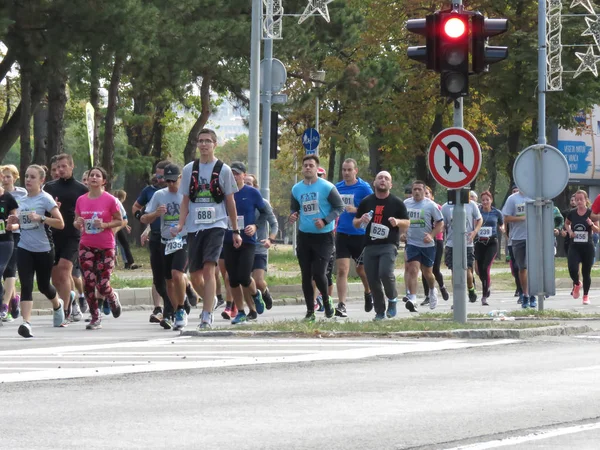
x=384, y=217
x=65, y=190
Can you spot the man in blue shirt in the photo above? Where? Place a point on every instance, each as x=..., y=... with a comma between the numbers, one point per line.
x=315, y=204
x=349, y=241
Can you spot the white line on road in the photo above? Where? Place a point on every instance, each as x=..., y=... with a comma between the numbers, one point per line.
x=536, y=436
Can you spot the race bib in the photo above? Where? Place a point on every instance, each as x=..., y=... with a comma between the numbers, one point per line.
x=205, y=214
x=90, y=228
x=379, y=231
x=25, y=221
x=347, y=199
x=520, y=209
x=310, y=207
x=240, y=223
x=580, y=236
x=485, y=232
x=415, y=218
x=174, y=245
x=2, y=227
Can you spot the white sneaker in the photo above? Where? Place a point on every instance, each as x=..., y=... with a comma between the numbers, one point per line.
x=181, y=319
x=433, y=298
x=58, y=315
x=76, y=311
x=206, y=320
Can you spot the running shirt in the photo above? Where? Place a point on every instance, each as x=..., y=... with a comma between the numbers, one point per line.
x=247, y=201
x=18, y=194
x=472, y=215
x=423, y=216
x=7, y=204
x=263, y=231
x=351, y=195
x=582, y=231
x=515, y=206
x=204, y=213
x=144, y=198
x=172, y=201
x=491, y=220
x=90, y=209
x=379, y=230
x=66, y=192
x=318, y=200
x=35, y=236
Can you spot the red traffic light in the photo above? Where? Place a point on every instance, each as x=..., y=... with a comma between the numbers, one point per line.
x=455, y=28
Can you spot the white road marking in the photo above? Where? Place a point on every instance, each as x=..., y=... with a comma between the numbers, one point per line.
x=582, y=369
x=536, y=436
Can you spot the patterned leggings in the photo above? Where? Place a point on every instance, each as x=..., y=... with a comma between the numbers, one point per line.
x=96, y=266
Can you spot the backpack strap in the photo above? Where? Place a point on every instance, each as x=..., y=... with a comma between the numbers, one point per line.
x=215, y=188
x=194, y=179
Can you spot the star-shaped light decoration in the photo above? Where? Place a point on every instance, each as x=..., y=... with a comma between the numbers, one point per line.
x=588, y=62
x=593, y=30
x=587, y=4
x=313, y=6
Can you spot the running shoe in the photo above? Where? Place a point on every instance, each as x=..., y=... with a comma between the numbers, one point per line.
x=484, y=301
x=83, y=306
x=191, y=295
x=15, y=306
x=520, y=299
x=167, y=324
x=156, y=315
x=433, y=298
x=258, y=302
x=226, y=313
x=309, y=317
x=319, y=303
x=187, y=306
x=517, y=293
x=532, y=302
x=410, y=305
x=391, y=309
x=329, y=309
x=472, y=296
x=58, y=315
x=378, y=317
x=240, y=318
x=368, y=301
x=181, y=319
x=444, y=292
x=340, y=310
x=425, y=302
x=234, y=311
x=95, y=324
x=220, y=301
x=252, y=315
x=4, y=312
x=106, y=307
x=7, y=317
x=525, y=302
x=268, y=299
x=576, y=289
x=76, y=315
x=586, y=300
x=115, y=305
x=65, y=322
x=206, y=320
x=25, y=330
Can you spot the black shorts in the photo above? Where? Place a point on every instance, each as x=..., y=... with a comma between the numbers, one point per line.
x=11, y=269
x=204, y=246
x=65, y=247
x=470, y=257
x=260, y=262
x=350, y=246
x=175, y=261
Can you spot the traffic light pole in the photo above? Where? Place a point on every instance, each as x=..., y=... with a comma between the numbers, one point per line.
x=266, y=119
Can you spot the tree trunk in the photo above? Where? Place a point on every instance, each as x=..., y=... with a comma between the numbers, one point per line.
x=332, y=155
x=9, y=59
x=8, y=104
x=108, y=152
x=375, y=158
x=189, y=153
x=57, y=99
x=25, y=122
x=95, y=102
x=40, y=135
x=342, y=159
x=514, y=136
x=158, y=131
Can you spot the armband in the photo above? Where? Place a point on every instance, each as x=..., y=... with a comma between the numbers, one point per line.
x=138, y=214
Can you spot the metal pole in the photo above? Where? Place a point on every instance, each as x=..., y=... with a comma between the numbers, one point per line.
x=253, y=126
x=317, y=120
x=266, y=118
x=459, y=238
x=295, y=233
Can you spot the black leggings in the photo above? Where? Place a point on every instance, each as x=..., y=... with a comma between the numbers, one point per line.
x=514, y=270
x=40, y=264
x=581, y=254
x=6, y=251
x=239, y=262
x=314, y=251
x=122, y=239
x=437, y=263
x=484, y=256
x=157, y=264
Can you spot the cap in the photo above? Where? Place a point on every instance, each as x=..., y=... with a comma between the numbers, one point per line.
x=238, y=166
x=172, y=172
x=321, y=172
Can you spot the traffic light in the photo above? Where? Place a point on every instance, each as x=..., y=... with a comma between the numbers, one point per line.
x=483, y=55
x=425, y=53
x=453, y=53
x=274, y=149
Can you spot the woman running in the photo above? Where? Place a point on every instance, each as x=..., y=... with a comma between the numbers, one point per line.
x=580, y=227
x=8, y=207
x=96, y=214
x=37, y=212
x=486, y=243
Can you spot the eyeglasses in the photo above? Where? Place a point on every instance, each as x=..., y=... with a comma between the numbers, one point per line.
x=159, y=177
x=171, y=181
x=205, y=141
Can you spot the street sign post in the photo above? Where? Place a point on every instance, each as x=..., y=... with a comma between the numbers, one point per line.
x=454, y=158
x=310, y=141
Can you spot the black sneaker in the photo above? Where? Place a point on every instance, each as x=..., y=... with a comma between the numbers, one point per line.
x=191, y=295
x=252, y=315
x=329, y=309
x=517, y=293
x=187, y=306
x=472, y=296
x=410, y=305
x=444, y=292
x=368, y=302
x=156, y=315
x=425, y=302
x=340, y=311
x=309, y=317
x=167, y=324
x=267, y=299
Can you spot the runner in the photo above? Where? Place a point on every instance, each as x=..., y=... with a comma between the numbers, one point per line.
x=65, y=190
x=36, y=253
x=384, y=217
x=10, y=175
x=315, y=204
x=486, y=243
x=322, y=173
x=207, y=186
x=128, y=261
x=349, y=240
x=96, y=214
x=580, y=227
x=8, y=207
x=425, y=223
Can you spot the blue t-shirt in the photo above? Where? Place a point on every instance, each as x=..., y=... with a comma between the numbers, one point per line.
x=491, y=220
x=247, y=201
x=314, y=204
x=144, y=198
x=351, y=196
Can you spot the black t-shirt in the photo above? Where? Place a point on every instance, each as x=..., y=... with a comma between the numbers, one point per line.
x=7, y=204
x=379, y=231
x=66, y=192
x=581, y=229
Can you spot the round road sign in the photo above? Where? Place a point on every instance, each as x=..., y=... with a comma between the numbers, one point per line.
x=541, y=171
x=454, y=158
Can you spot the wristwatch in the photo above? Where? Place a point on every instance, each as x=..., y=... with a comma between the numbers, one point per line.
x=236, y=231
x=43, y=219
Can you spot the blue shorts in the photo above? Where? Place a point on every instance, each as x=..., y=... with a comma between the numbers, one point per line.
x=260, y=262
x=425, y=255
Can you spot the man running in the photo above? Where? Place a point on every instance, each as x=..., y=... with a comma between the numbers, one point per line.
x=350, y=240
